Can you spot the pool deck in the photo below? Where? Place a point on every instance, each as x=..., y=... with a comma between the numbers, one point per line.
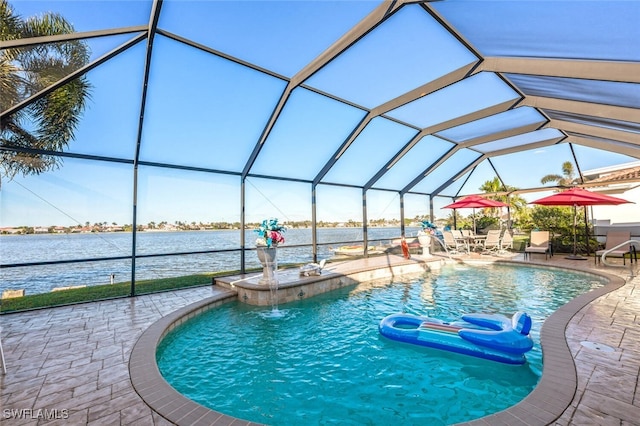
x=70, y=365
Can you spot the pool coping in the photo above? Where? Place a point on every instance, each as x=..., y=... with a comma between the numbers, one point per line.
x=545, y=404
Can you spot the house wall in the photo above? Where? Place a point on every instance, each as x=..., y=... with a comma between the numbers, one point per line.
x=623, y=213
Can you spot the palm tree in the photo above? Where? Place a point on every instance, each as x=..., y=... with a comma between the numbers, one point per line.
x=517, y=204
x=566, y=179
x=48, y=123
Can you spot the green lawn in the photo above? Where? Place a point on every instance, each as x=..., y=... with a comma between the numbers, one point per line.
x=102, y=292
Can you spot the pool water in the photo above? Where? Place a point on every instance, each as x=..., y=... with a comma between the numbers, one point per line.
x=321, y=361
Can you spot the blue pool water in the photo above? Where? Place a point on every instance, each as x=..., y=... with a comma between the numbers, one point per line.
x=323, y=362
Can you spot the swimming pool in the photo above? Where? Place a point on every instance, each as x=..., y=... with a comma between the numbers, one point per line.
x=323, y=361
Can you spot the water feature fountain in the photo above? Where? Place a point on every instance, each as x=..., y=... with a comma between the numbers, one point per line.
x=270, y=278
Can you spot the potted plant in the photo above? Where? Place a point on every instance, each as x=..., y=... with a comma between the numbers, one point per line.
x=424, y=237
x=269, y=237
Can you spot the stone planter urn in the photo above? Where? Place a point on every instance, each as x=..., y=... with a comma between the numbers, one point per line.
x=425, y=243
x=267, y=257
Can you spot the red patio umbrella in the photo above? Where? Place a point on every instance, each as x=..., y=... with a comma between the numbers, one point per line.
x=578, y=197
x=473, y=202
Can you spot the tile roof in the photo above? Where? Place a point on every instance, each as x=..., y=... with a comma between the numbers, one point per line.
x=624, y=175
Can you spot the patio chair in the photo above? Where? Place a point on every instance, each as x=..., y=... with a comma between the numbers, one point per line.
x=539, y=242
x=615, y=238
x=455, y=244
x=492, y=242
x=506, y=242
x=4, y=365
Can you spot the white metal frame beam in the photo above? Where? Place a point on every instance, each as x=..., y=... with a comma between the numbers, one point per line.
x=626, y=72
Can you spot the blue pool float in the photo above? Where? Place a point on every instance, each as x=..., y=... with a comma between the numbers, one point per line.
x=490, y=336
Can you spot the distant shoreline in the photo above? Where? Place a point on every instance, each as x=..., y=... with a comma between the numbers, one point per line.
x=53, y=230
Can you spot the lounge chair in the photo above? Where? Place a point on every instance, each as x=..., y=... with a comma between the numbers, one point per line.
x=492, y=242
x=455, y=244
x=539, y=243
x=506, y=242
x=615, y=238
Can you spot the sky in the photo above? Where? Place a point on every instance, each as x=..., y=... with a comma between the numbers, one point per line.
x=204, y=111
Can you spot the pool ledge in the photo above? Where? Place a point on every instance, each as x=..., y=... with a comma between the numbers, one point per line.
x=292, y=286
x=542, y=406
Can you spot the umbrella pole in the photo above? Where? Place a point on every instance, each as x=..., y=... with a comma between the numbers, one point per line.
x=473, y=215
x=575, y=256
x=575, y=232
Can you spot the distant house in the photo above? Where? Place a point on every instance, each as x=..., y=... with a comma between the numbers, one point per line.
x=626, y=185
x=625, y=177
x=10, y=231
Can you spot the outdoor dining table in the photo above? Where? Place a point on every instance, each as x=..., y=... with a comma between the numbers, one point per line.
x=475, y=240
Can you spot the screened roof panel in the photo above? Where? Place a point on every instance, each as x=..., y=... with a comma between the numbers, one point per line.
x=282, y=36
x=378, y=142
x=514, y=118
x=115, y=93
x=214, y=123
x=308, y=132
x=453, y=190
x=578, y=29
x=446, y=171
x=590, y=158
x=92, y=15
x=100, y=46
x=480, y=91
x=520, y=140
x=414, y=163
x=391, y=59
x=480, y=174
x=525, y=169
x=600, y=92
x=93, y=48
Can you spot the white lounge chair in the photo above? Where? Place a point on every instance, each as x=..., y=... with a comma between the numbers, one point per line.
x=455, y=244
